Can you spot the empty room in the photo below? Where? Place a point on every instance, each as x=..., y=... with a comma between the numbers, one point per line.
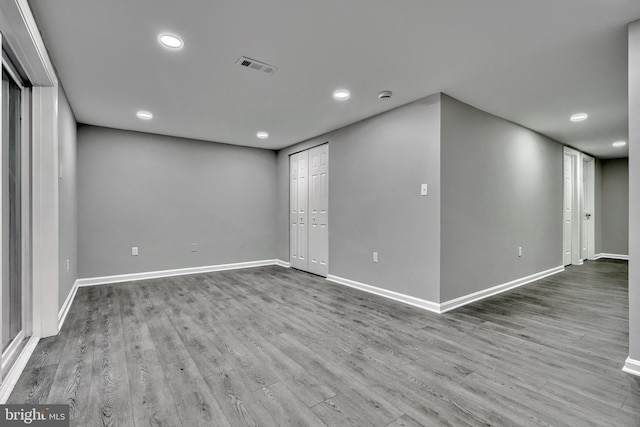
x=323, y=213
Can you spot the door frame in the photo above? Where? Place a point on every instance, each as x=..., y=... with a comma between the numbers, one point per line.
x=21, y=37
x=580, y=174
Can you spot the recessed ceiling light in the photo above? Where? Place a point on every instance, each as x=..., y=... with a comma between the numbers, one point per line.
x=579, y=117
x=170, y=41
x=619, y=143
x=262, y=135
x=341, y=95
x=144, y=115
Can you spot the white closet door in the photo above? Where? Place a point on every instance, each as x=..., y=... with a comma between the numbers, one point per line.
x=318, y=209
x=299, y=210
x=567, y=209
x=309, y=213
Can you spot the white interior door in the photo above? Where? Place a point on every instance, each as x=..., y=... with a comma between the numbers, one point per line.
x=309, y=213
x=567, y=208
x=298, y=198
x=584, y=215
x=318, y=209
x=589, y=171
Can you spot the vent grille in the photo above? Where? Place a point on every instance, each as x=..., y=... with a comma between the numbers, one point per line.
x=256, y=65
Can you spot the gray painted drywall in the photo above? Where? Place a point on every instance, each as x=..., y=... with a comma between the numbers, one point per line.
x=501, y=189
x=634, y=190
x=615, y=206
x=375, y=170
x=162, y=194
x=597, y=199
x=67, y=198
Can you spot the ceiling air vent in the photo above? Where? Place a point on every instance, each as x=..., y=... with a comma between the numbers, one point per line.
x=255, y=65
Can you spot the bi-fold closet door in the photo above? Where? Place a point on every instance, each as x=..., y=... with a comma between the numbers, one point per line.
x=309, y=201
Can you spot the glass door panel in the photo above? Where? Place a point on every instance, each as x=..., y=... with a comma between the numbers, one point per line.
x=12, y=303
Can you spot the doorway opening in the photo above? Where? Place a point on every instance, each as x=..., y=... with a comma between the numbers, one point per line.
x=578, y=207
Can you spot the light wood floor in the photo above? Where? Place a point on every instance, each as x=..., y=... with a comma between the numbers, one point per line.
x=273, y=346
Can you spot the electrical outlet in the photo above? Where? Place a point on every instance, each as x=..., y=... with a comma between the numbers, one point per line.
x=519, y=251
x=68, y=266
x=134, y=251
x=375, y=257
x=194, y=247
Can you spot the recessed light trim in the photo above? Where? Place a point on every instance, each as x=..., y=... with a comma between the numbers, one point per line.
x=262, y=135
x=341, y=95
x=579, y=117
x=619, y=143
x=171, y=41
x=144, y=115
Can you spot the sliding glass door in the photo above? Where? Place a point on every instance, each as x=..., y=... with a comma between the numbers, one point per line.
x=13, y=190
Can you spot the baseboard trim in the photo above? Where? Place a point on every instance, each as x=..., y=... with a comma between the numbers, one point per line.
x=407, y=299
x=632, y=366
x=449, y=305
x=105, y=280
x=282, y=263
x=612, y=256
x=62, y=314
x=486, y=293
x=10, y=381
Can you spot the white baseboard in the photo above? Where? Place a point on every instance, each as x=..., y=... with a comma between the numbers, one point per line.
x=105, y=280
x=449, y=305
x=631, y=366
x=10, y=381
x=612, y=256
x=62, y=314
x=485, y=293
x=407, y=299
x=93, y=281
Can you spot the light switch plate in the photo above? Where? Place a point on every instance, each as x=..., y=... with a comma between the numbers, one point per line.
x=424, y=190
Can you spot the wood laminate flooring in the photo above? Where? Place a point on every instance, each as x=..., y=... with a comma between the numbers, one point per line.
x=278, y=347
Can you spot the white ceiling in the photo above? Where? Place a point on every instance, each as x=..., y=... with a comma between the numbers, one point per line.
x=532, y=62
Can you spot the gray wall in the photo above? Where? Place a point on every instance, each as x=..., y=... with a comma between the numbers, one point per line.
x=501, y=188
x=634, y=191
x=162, y=194
x=67, y=198
x=375, y=171
x=615, y=206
